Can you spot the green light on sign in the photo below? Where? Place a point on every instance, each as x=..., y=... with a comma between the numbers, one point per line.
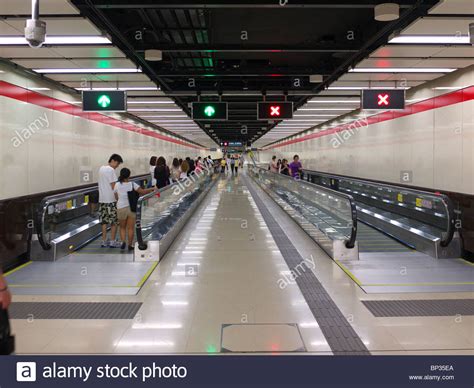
x=209, y=111
x=104, y=101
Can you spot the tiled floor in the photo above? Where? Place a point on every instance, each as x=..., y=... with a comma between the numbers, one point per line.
x=224, y=269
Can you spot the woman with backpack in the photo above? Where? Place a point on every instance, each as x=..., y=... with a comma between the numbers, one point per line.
x=126, y=194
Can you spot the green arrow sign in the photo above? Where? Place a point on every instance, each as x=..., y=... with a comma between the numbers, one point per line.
x=104, y=101
x=209, y=111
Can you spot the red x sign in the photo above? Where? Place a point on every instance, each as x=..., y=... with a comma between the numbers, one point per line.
x=275, y=111
x=383, y=100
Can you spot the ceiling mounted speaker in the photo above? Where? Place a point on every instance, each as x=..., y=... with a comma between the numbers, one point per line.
x=316, y=78
x=153, y=55
x=387, y=12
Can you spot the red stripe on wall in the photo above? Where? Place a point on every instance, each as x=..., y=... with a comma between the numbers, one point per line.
x=462, y=95
x=30, y=97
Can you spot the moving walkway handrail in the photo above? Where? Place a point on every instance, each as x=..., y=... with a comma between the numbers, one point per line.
x=46, y=202
x=138, y=227
x=446, y=201
x=350, y=243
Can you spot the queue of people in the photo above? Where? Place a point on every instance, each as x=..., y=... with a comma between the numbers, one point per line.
x=118, y=196
x=281, y=166
x=231, y=163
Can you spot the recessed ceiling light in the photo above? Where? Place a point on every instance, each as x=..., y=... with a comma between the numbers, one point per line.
x=430, y=39
x=91, y=70
x=57, y=40
x=402, y=70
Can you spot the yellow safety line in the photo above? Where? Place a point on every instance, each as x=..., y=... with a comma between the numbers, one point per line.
x=360, y=284
x=421, y=284
x=17, y=269
x=66, y=286
x=147, y=275
x=349, y=273
x=467, y=262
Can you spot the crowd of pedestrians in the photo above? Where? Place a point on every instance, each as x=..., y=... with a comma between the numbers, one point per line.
x=118, y=196
x=281, y=166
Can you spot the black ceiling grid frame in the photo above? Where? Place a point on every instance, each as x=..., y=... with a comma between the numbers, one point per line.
x=202, y=40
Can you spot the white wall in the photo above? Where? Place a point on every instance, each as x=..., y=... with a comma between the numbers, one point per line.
x=437, y=146
x=54, y=156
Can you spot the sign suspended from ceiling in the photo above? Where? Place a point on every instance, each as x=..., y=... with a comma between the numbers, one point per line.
x=383, y=99
x=209, y=111
x=104, y=101
x=275, y=110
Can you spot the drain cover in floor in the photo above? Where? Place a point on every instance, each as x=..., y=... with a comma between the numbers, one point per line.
x=258, y=338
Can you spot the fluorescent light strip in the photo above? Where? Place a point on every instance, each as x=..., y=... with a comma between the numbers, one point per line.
x=402, y=70
x=324, y=109
x=155, y=110
x=430, y=39
x=366, y=87
x=181, y=117
x=150, y=102
x=124, y=88
x=333, y=102
x=57, y=40
x=83, y=71
x=318, y=115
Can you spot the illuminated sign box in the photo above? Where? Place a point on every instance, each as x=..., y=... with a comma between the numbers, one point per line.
x=275, y=110
x=209, y=111
x=104, y=101
x=382, y=99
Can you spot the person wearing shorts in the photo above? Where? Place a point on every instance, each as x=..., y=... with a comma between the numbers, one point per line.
x=125, y=215
x=107, y=203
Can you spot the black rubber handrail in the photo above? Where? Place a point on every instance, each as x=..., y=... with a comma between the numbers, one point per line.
x=446, y=237
x=49, y=200
x=350, y=243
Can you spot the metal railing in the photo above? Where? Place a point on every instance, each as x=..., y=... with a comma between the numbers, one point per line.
x=393, y=198
x=164, y=196
x=52, y=200
x=323, y=194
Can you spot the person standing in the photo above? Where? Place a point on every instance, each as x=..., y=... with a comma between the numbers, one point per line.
x=162, y=173
x=174, y=171
x=232, y=165
x=126, y=207
x=223, y=164
x=5, y=296
x=236, y=165
x=152, y=182
x=274, y=165
x=296, y=167
x=285, y=169
x=107, y=203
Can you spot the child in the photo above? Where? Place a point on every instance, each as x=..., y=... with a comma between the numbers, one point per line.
x=125, y=212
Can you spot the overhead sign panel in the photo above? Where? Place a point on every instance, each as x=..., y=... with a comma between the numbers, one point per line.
x=104, y=101
x=209, y=111
x=275, y=110
x=382, y=99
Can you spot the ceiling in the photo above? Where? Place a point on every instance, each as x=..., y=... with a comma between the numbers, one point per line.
x=239, y=52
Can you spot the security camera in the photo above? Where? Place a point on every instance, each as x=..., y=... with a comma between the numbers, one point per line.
x=35, y=32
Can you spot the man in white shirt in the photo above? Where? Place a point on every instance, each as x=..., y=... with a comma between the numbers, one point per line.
x=107, y=202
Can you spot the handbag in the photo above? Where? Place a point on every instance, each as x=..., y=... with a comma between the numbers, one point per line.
x=133, y=196
x=7, y=341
